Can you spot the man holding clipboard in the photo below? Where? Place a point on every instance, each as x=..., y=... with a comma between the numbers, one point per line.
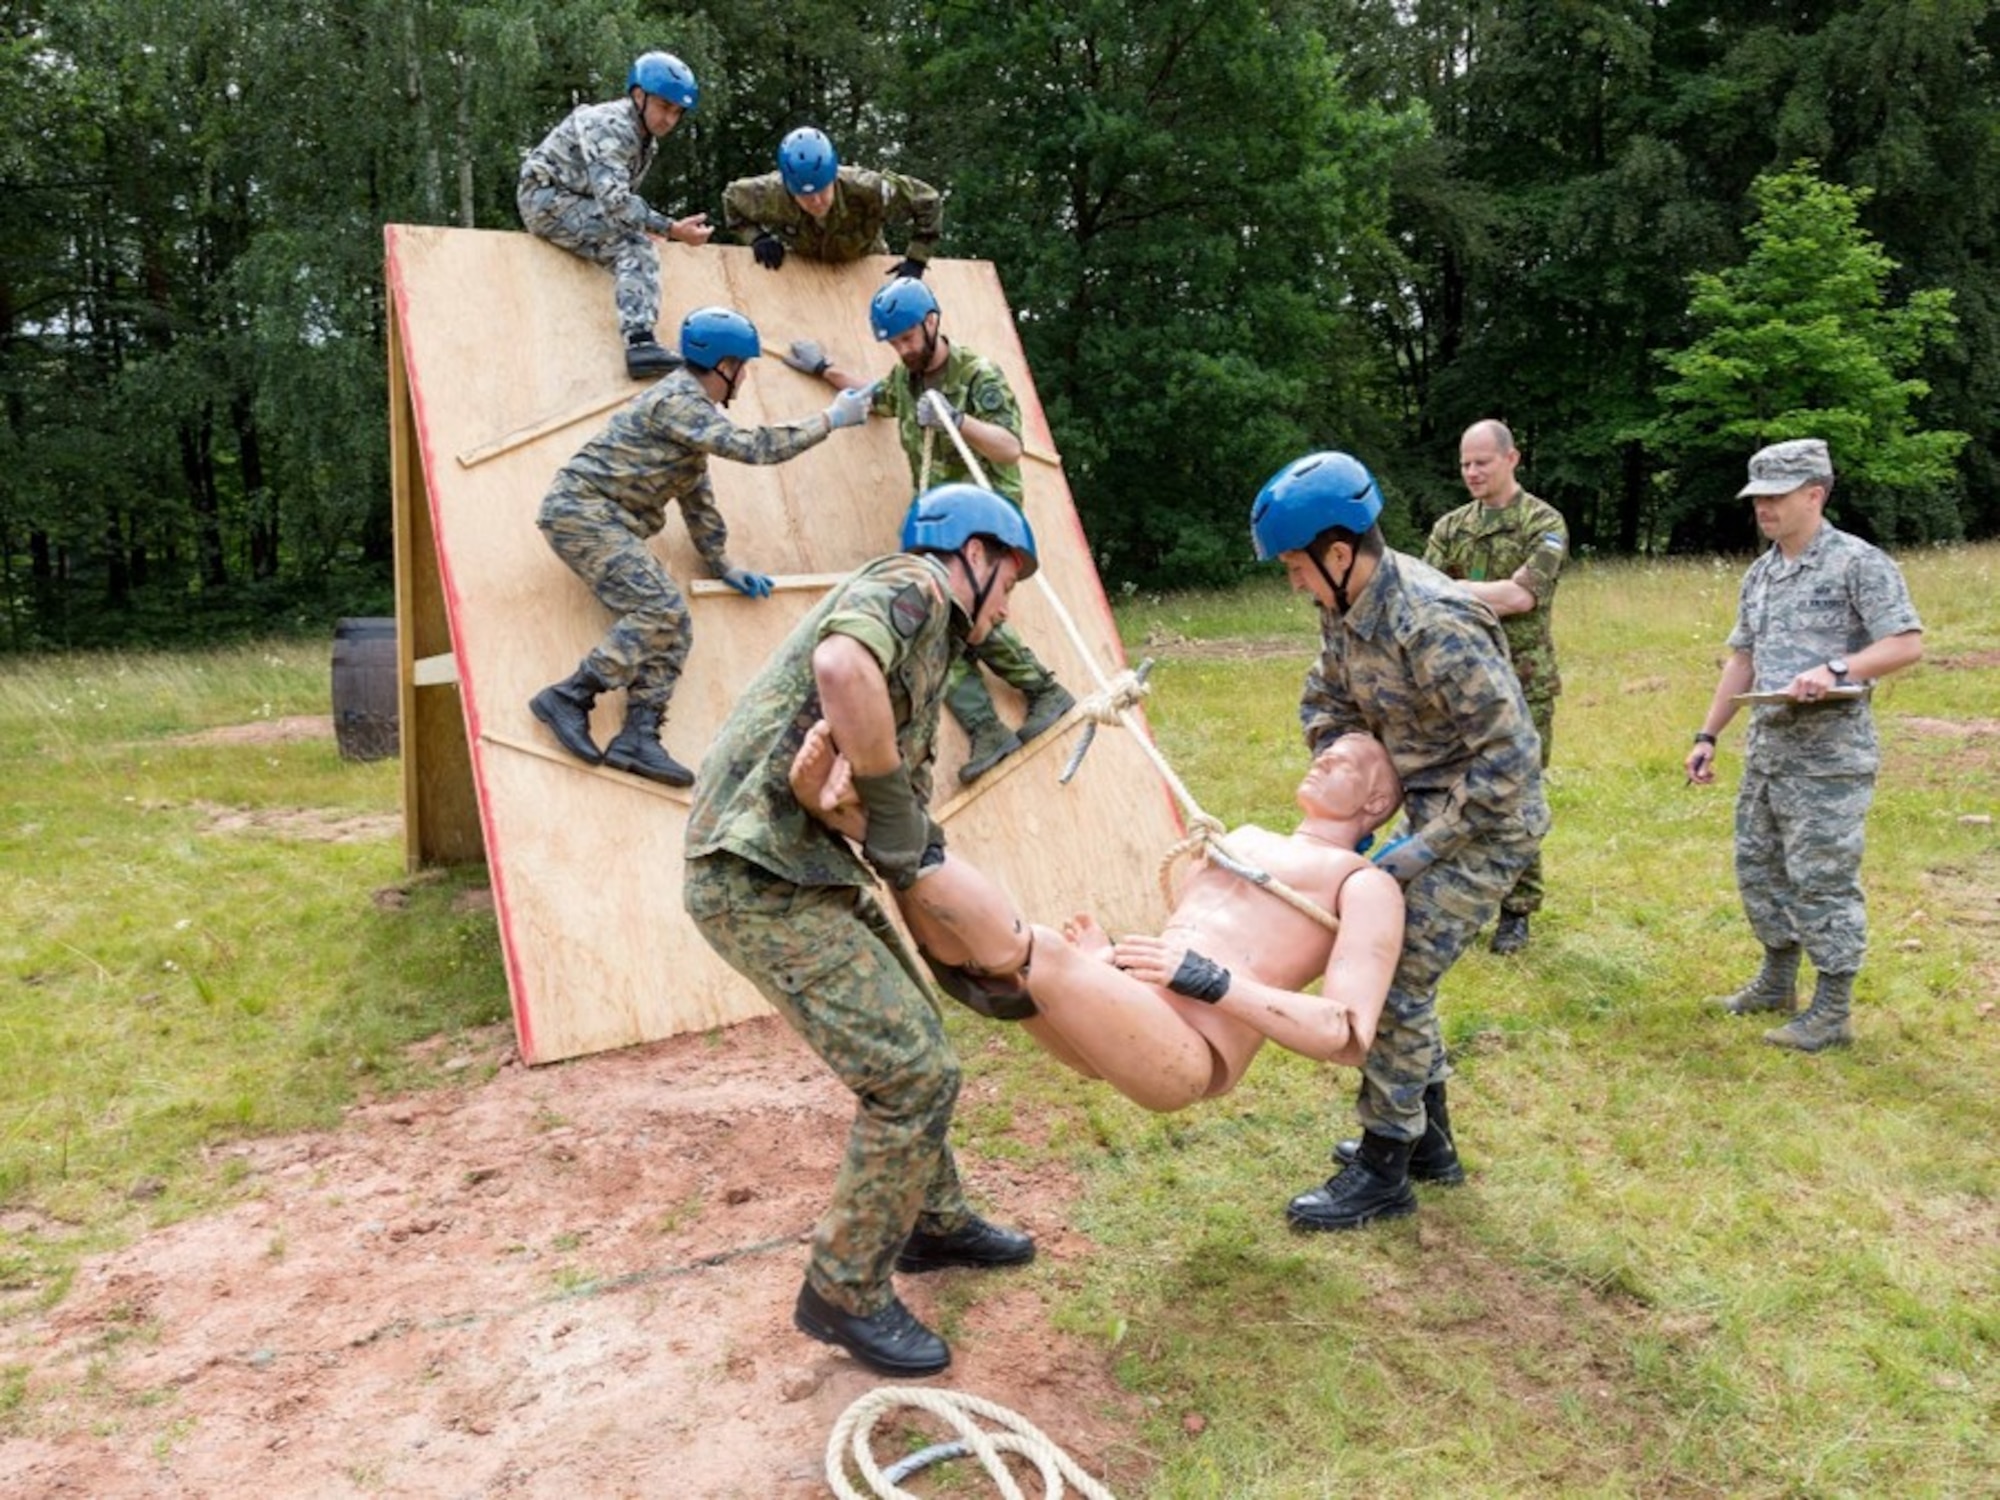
x=1822, y=614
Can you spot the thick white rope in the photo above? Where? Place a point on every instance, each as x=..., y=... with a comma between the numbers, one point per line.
x=851, y=1437
x=1112, y=704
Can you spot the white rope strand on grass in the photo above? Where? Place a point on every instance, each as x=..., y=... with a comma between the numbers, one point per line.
x=852, y=1434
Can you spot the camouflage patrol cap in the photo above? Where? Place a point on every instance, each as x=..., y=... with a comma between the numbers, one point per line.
x=1783, y=467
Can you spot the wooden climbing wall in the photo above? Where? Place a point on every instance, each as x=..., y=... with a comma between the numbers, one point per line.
x=504, y=360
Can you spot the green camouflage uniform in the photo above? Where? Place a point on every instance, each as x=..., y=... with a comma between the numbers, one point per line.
x=978, y=388
x=1809, y=769
x=864, y=204
x=613, y=495
x=577, y=190
x=788, y=905
x=1480, y=544
x=1422, y=665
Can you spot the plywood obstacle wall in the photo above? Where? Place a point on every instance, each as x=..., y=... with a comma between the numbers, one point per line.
x=504, y=360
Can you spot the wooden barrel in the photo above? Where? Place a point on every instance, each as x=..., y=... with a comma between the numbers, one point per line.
x=364, y=688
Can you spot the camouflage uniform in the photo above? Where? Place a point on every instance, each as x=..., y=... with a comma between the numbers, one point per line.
x=613, y=495
x=577, y=190
x=787, y=904
x=1482, y=543
x=978, y=387
x=864, y=203
x=1422, y=666
x=1809, y=769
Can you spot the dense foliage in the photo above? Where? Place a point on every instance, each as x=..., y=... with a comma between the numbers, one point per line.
x=1230, y=230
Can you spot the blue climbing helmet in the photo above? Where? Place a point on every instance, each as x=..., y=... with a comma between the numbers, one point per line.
x=666, y=75
x=1309, y=495
x=806, y=161
x=709, y=335
x=899, y=307
x=946, y=516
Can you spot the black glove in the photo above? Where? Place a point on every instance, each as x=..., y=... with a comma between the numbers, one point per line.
x=899, y=830
x=769, y=250
x=908, y=267
x=1200, y=978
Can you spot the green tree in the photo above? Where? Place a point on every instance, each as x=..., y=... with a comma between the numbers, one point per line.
x=1802, y=340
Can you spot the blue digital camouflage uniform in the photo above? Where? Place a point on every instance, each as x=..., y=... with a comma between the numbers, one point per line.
x=613, y=495
x=865, y=203
x=1526, y=540
x=978, y=387
x=578, y=189
x=1809, y=769
x=1422, y=665
x=787, y=904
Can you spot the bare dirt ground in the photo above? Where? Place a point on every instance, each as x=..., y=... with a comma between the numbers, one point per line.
x=570, y=1282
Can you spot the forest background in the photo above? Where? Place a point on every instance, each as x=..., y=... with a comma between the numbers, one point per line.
x=1650, y=236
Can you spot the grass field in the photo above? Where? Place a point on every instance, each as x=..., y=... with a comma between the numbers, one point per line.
x=1687, y=1263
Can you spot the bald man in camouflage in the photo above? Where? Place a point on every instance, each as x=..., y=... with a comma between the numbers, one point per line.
x=1507, y=549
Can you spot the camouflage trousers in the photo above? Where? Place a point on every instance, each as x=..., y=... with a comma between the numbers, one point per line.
x=830, y=962
x=648, y=643
x=1798, y=864
x=1007, y=657
x=1526, y=897
x=1446, y=906
x=579, y=226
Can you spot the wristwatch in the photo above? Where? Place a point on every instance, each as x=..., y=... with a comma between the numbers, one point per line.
x=1703, y=737
x=1837, y=666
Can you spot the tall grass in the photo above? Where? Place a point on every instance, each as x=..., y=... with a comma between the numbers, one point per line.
x=1687, y=1263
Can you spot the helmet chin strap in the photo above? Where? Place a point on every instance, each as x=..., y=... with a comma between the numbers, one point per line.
x=981, y=592
x=1339, y=586
x=729, y=382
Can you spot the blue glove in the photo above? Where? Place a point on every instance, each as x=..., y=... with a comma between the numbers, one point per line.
x=750, y=585
x=850, y=407
x=1405, y=857
x=934, y=411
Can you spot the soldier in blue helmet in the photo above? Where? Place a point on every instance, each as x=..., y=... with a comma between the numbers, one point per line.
x=613, y=495
x=825, y=209
x=1407, y=656
x=579, y=189
x=790, y=905
x=944, y=383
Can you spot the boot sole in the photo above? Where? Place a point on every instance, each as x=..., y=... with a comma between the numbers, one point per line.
x=1305, y=1224
x=620, y=763
x=812, y=1328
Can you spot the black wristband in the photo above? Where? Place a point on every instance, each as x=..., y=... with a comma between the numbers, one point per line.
x=1200, y=979
x=1703, y=737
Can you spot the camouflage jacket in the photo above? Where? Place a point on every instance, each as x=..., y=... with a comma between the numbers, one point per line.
x=1422, y=665
x=1838, y=595
x=900, y=608
x=1482, y=543
x=865, y=203
x=978, y=388
x=657, y=448
x=600, y=151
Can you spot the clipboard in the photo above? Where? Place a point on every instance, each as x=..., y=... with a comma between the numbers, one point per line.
x=1843, y=693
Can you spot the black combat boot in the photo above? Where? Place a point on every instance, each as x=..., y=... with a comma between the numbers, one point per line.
x=1510, y=933
x=992, y=741
x=645, y=358
x=637, y=749
x=1375, y=1185
x=889, y=1341
x=1046, y=706
x=977, y=1244
x=565, y=707
x=1435, y=1156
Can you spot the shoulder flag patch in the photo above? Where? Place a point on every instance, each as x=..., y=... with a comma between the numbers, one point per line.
x=910, y=610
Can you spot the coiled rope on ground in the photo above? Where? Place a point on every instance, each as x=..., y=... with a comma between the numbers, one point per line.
x=852, y=1434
